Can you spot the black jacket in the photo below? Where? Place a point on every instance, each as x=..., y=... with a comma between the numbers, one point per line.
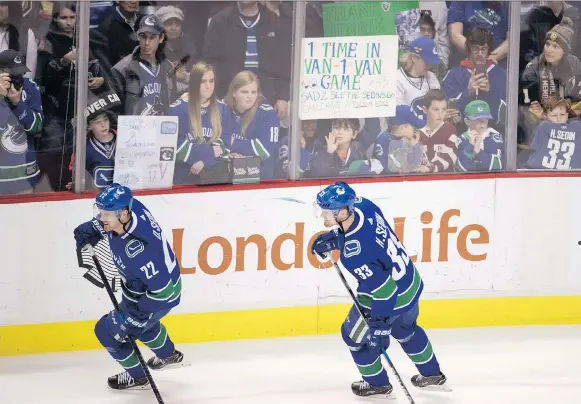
x=126, y=82
x=225, y=49
x=116, y=39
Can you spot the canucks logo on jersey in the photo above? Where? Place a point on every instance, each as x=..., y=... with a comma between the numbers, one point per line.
x=13, y=140
x=150, y=101
x=101, y=161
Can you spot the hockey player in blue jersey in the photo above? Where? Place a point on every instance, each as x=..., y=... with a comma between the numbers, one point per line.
x=389, y=287
x=205, y=126
x=255, y=125
x=150, y=282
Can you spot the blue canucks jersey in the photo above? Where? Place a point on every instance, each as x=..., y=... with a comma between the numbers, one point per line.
x=18, y=168
x=150, y=275
x=307, y=154
x=489, y=158
x=150, y=101
x=29, y=109
x=101, y=161
x=389, y=283
x=190, y=151
x=259, y=139
x=554, y=147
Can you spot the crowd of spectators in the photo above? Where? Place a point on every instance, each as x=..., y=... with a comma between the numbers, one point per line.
x=224, y=68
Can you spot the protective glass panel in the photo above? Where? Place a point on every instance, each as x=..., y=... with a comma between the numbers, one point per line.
x=407, y=87
x=37, y=95
x=550, y=87
x=194, y=92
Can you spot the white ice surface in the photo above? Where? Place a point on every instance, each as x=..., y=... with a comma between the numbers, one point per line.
x=512, y=365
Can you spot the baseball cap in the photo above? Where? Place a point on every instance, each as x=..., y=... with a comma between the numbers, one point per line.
x=12, y=62
x=425, y=47
x=150, y=23
x=404, y=114
x=167, y=12
x=477, y=109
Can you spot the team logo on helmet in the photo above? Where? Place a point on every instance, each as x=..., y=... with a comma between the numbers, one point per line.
x=150, y=20
x=13, y=140
x=340, y=191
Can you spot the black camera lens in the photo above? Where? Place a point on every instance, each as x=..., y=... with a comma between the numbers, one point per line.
x=17, y=82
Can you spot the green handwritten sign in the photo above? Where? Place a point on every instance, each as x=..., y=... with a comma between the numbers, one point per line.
x=365, y=18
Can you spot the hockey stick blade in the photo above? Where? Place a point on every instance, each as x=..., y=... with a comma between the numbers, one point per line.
x=144, y=366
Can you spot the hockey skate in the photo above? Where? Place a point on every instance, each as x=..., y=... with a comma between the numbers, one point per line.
x=431, y=383
x=124, y=381
x=364, y=389
x=175, y=360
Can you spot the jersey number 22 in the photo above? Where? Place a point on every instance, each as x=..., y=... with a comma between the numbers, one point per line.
x=149, y=270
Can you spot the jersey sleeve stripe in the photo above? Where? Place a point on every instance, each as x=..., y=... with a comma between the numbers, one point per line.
x=259, y=149
x=365, y=300
x=386, y=291
x=169, y=293
x=155, y=292
x=408, y=296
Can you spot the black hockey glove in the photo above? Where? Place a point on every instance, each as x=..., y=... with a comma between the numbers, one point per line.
x=325, y=243
x=88, y=233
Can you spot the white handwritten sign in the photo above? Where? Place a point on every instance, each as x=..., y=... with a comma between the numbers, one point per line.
x=146, y=149
x=348, y=77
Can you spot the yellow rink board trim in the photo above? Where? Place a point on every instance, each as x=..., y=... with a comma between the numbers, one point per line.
x=297, y=321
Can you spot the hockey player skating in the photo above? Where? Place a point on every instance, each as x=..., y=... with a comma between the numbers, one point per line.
x=388, y=292
x=150, y=282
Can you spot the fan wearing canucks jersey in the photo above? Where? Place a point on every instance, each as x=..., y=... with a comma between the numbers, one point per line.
x=19, y=170
x=555, y=141
x=389, y=288
x=205, y=126
x=145, y=80
x=480, y=148
x=554, y=147
x=101, y=144
x=255, y=125
x=101, y=139
x=150, y=282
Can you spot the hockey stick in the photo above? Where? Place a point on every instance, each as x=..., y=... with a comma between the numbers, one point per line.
x=89, y=248
x=383, y=351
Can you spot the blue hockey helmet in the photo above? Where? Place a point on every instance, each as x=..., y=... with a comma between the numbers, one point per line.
x=114, y=198
x=337, y=196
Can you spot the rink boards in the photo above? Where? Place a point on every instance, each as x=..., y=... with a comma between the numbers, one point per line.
x=491, y=250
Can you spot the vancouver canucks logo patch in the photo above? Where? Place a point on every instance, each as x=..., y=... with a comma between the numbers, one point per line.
x=13, y=140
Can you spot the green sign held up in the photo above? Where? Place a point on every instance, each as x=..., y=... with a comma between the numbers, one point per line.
x=365, y=18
